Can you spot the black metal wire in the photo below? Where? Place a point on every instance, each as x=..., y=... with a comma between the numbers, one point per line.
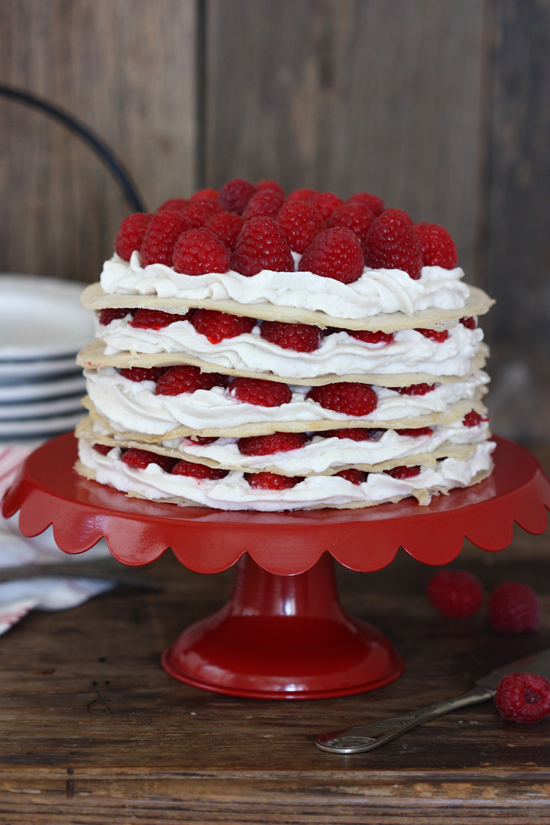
x=101, y=149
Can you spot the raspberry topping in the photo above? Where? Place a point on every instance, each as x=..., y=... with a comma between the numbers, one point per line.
x=373, y=202
x=200, y=211
x=226, y=226
x=301, y=223
x=456, y=594
x=178, y=380
x=140, y=459
x=108, y=315
x=273, y=443
x=103, y=449
x=266, y=203
x=235, y=195
x=523, y=697
x=415, y=389
x=393, y=244
x=270, y=184
x=201, y=194
x=356, y=216
x=326, y=203
x=302, y=194
x=410, y=432
x=438, y=335
x=403, y=472
x=335, y=253
x=160, y=238
x=198, y=252
x=299, y=337
x=155, y=319
x=139, y=374
x=345, y=397
x=438, y=248
x=130, y=234
x=270, y=481
x=353, y=475
x=189, y=468
x=261, y=245
x=372, y=337
x=472, y=419
x=357, y=434
x=217, y=326
x=260, y=393
x=514, y=607
x=469, y=323
x=173, y=205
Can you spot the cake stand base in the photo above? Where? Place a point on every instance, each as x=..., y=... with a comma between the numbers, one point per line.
x=283, y=637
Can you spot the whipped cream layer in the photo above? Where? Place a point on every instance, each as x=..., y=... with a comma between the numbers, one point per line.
x=131, y=406
x=376, y=291
x=339, y=353
x=234, y=493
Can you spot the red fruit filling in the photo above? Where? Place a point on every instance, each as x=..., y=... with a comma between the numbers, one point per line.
x=270, y=481
x=272, y=443
x=344, y=397
x=455, y=593
x=140, y=459
x=392, y=244
x=300, y=223
x=403, y=472
x=143, y=373
x=155, y=319
x=260, y=393
x=178, y=380
x=415, y=389
x=357, y=434
x=160, y=238
x=472, y=419
x=198, y=252
x=201, y=471
x=437, y=246
x=217, y=326
x=410, y=432
x=514, y=607
x=438, y=335
x=226, y=226
x=356, y=216
x=469, y=323
x=130, y=234
x=353, y=475
x=523, y=697
x=102, y=448
x=335, y=253
x=372, y=337
x=108, y=315
x=261, y=245
x=373, y=202
x=299, y=337
x=235, y=195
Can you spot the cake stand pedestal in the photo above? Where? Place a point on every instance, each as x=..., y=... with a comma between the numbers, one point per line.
x=283, y=634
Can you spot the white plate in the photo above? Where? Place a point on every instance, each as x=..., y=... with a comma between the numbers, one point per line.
x=17, y=372
x=41, y=318
x=42, y=409
x=40, y=426
x=45, y=389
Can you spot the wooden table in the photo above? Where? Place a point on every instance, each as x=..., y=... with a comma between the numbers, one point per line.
x=93, y=731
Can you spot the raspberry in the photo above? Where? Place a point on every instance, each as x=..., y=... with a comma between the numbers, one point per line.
x=372, y=337
x=270, y=184
x=140, y=459
x=273, y=443
x=178, y=380
x=226, y=226
x=103, y=449
x=155, y=319
x=356, y=216
x=173, y=205
x=326, y=203
x=335, y=253
x=403, y=472
x=456, y=594
x=264, y=204
x=260, y=393
x=415, y=389
x=130, y=234
x=299, y=337
x=469, y=323
x=358, y=434
x=201, y=194
x=261, y=245
x=200, y=211
x=235, y=195
x=202, y=439
x=108, y=315
x=217, y=326
x=302, y=194
x=438, y=248
x=393, y=244
x=344, y=397
x=523, y=697
x=143, y=373
x=514, y=608
x=472, y=419
x=355, y=476
x=438, y=335
x=412, y=433
x=301, y=223
x=189, y=468
x=374, y=203
x=270, y=481
x=198, y=252
x=160, y=238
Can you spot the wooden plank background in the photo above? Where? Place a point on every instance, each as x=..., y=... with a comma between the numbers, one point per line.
x=439, y=106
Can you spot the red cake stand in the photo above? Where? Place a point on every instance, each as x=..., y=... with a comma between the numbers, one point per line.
x=283, y=634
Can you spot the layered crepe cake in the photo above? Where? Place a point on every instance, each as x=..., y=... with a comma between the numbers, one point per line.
x=261, y=352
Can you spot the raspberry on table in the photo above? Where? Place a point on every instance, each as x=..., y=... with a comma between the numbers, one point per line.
x=393, y=244
x=299, y=337
x=415, y=389
x=302, y=194
x=201, y=194
x=469, y=323
x=455, y=594
x=272, y=443
x=200, y=210
x=198, y=252
x=111, y=314
x=345, y=397
x=235, y=195
x=403, y=471
x=523, y=697
x=103, y=449
x=335, y=253
x=130, y=234
x=226, y=226
x=373, y=202
x=371, y=337
x=437, y=246
x=326, y=203
x=261, y=245
x=438, y=335
x=259, y=392
x=472, y=419
x=140, y=459
x=201, y=471
x=217, y=326
x=356, y=216
x=173, y=205
x=301, y=223
x=156, y=319
x=357, y=434
x=514, y=607
x=264, y=204
x=271, y=481
x=355, y=476
x=410, y=432
x=139, y=374
x=270, y=184
x=161, y=235
x=179, y=380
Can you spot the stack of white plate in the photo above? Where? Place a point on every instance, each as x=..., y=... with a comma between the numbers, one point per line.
x=42, y=327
